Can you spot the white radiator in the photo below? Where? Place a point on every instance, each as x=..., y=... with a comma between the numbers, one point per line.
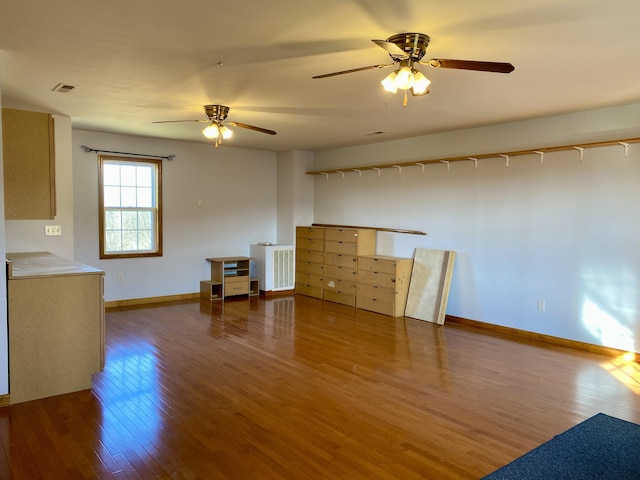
x=274, y=266
x=284, y=266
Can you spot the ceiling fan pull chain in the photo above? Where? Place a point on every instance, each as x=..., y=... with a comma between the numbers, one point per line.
x=404, y=102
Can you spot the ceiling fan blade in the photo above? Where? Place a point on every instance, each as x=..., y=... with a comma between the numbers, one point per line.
x=391, y=48
x=251, y=127
x=496, y=67
x=180, y=121
x=359, y=69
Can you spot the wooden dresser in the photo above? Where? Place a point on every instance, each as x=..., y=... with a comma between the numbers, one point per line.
x=327, y=261
x=341, y=250
x=383, y=284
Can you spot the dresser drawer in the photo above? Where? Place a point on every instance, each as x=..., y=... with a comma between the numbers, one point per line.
x=310, y=244
x=341, y=235
x=306, y=278
x=379, y=306
x=236, y=288
x=309, y=267
x=310, y=232
x=309, y=255
x=341, y=247
x=343, y=273
x=340, y=259
x=339, y=286
x=339, y=297
x=376, y=264
x=309, y=290
x=236, y=279
x=377, y=278
x=377, y=292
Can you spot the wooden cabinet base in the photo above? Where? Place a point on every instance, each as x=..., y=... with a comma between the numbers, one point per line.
x=55, y=335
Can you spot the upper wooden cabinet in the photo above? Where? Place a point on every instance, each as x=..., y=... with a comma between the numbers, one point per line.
x=29, y=165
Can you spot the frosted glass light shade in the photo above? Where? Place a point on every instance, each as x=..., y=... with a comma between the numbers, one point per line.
x=389, y=83
x=420, y=84
x=226, y=132
x=211, y=131
x=404, y=79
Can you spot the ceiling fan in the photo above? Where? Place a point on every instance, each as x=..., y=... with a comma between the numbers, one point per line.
x=407, y=50
x=217, y=128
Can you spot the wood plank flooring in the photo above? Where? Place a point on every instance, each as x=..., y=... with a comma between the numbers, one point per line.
x=296, y=388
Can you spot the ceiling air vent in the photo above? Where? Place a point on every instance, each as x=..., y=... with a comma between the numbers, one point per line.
x=64, y=88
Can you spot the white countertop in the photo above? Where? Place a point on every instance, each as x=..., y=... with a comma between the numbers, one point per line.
x=44, y=264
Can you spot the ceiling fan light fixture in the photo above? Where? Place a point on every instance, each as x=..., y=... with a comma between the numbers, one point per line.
x=211, y=131
x=389, y=83
x=225, y=132
x=404, y=79
x=420, y=84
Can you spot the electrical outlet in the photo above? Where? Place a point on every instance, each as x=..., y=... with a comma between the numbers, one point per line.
x=120, y=278
x=200, y=203
x=541, y=305
x=51, y=230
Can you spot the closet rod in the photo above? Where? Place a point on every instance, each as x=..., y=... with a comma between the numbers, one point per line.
x=535, y=151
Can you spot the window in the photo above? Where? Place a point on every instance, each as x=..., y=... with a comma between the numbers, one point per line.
x=130, y=201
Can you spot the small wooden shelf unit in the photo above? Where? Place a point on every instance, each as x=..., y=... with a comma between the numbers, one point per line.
x=229, y=277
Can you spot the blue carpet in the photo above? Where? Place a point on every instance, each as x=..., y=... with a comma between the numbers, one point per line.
x=601, y=447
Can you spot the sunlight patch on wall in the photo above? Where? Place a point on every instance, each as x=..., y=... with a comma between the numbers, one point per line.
x=605, y=328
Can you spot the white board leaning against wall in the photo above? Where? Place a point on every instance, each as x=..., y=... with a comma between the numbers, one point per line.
x=430, y=283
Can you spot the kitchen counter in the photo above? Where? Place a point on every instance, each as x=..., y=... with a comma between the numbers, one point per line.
x=56, y=325
x=44, y=264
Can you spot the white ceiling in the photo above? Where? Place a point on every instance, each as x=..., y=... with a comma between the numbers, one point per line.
x=139, y=61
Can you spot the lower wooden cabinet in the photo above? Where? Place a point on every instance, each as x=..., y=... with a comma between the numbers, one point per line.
x=383, y=284
x=56, y=325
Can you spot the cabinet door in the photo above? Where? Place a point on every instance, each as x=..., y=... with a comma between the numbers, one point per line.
x=29, y=161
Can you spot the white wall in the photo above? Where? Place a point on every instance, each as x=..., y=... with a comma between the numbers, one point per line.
x=295, y=194
x=238, y=189
x=564, y=231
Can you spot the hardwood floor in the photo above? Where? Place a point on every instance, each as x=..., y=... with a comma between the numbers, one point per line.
x=294, y=388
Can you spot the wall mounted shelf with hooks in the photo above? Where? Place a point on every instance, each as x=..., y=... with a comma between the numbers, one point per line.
x=581, y=147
